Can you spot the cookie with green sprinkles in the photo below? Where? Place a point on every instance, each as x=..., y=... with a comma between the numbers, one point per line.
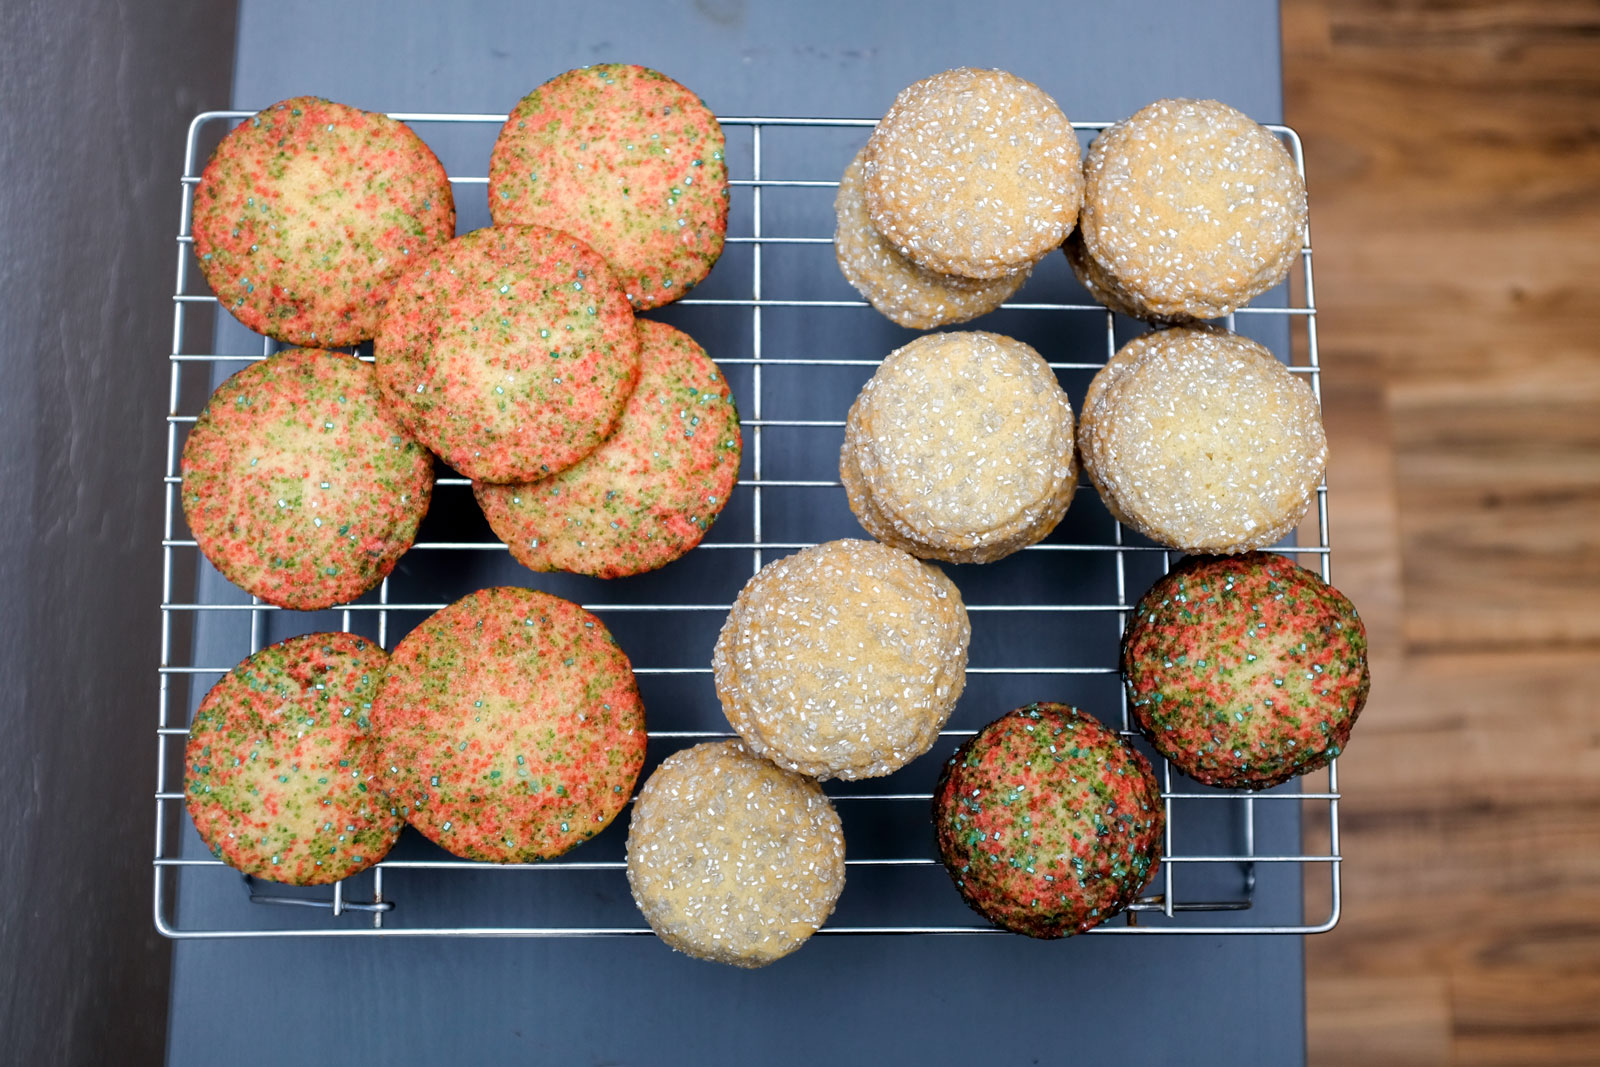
x=512, y=728
x=651, y=491
x=279, y=771
x=307, y=213
x=1245, y=671
x=626, y=159
x=1048, y=822
x=299, y=483
x=510, y=352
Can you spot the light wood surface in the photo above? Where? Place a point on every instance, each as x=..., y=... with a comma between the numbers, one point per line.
x=1454, y=153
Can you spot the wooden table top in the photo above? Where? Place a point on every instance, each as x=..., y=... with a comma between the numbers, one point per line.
x=1454, y=153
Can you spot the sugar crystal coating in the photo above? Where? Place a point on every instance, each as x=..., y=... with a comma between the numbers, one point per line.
x=731, y=858
x=1201, y=440
x=281, y=764
x=510, y=352
x=307, y=213
x=1245, y=671
x=1048, y=822
x=960, y=447
x=511, y=725
x=843, y=660
x=626, y=159
x=974, y=172
x=910, y=295
x=1190, y=210
x=300, y=484
x=651, y=491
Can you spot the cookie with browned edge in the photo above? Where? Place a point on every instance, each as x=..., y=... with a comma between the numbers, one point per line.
x=1190, y=210
x=907, y=294
x=1245, y=671
x=1048, y=822
x=960, y=447
x=974, y=172
x=1200, y=439
x=843, y=660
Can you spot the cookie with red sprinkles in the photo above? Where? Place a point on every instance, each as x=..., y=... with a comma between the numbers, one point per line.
x=628, y=160
x=651, y=491
x=307, y=213
x=299, y=483
x=279, y=771
x=1048, y=822
x=512, y=728
x=1245, y=671
x=510, y=352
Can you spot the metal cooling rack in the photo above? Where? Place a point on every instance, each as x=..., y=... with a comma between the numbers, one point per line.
x=385, y=888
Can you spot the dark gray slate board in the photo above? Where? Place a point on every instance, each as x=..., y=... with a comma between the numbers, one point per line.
x=854, y=999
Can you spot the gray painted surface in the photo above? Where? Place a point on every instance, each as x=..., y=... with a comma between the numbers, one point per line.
x=94, y=99
x=847, y=1000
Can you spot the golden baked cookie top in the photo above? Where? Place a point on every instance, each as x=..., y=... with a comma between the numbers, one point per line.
x=974, y=172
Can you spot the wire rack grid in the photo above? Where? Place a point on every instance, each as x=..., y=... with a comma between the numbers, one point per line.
x=330, y=914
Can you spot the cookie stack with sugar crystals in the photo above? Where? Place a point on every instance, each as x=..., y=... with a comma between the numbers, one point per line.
x=971, y=178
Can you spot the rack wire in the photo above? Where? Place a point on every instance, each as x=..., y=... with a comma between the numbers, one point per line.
x=398, y=886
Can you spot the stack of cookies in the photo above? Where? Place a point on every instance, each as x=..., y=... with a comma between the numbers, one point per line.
x=971, y=178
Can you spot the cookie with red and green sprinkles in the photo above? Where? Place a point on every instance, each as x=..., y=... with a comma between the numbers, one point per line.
x=512, y=728
x=647, y=495
x=626, y=159
x=307, y=213
x=280, y=768
x=1245, y=671
x=1048, y=822
x=299, y=483
x=510, y=352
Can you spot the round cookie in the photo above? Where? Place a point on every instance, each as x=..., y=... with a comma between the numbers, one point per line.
x=960, y=448
x=626, y=159
x=308, y=212
x=732, y=859
x=843, y=660
x=1201, y=440
x=512, y=728
x=904, y=292
x=1048, y=822
x=299, y=483
x=1190, y=210
x=510, y=352
x=1245, y=671
x=974, y=172
x=280, y=768
x=651, y=491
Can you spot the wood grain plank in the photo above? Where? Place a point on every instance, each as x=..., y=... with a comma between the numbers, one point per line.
x=1454, y=154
